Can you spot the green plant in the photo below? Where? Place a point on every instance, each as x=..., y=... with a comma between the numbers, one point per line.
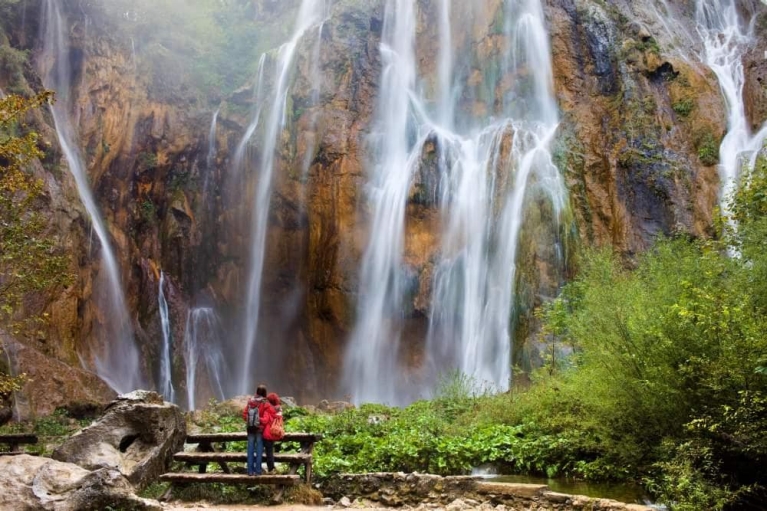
x=708, y=149
x=30, y=261
x=148, y=211
x=683, y=107
x=146, y=161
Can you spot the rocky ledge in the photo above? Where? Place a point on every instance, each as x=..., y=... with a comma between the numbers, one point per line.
x=102, y=466
x=425, y=491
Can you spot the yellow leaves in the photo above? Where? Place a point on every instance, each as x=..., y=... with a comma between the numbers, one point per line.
x=29, y=260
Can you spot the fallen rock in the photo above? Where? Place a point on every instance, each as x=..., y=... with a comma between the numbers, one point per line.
x=137, y=435
x=36, y=483
x=344, y=502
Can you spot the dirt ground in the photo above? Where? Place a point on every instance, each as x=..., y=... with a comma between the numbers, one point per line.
x=240, y=507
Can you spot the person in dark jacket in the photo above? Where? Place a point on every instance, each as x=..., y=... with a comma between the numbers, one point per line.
x=252, y=414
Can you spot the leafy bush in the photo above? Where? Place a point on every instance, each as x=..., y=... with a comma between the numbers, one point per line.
x=683, y=107
x=708, y=150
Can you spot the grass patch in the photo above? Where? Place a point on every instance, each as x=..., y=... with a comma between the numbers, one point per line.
x=683, y=107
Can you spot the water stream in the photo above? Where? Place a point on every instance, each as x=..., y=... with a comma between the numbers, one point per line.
x=210, y=160
x=486, y=165
x=726, y=37
x=166, y=373
x=310, y=17
x=202, y=354
x=118, y=363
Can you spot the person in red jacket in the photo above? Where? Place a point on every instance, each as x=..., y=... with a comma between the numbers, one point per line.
x=252, y=415
x=271, y=411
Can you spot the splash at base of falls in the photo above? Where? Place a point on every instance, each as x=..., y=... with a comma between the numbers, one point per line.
x=204, y=360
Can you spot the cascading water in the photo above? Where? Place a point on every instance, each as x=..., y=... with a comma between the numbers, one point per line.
x=119, y=364
x=202, y=352
x=310, y=17
x=482, y=193
x=726, y=37
x=210, y=161
x=166, y=374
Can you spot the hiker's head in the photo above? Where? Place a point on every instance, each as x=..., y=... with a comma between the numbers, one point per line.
x=261, y=390
x=274, y=399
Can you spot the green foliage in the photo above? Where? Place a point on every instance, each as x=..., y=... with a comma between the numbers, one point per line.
x=29, y=259
x=205, y=46
x=8, y=383
x=148, y=211
x=668, y=373
x=708, y=149
x=146, y=161
x=52, y=430
x=683, y=107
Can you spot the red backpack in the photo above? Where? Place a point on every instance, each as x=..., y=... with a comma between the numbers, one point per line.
x=277, y=428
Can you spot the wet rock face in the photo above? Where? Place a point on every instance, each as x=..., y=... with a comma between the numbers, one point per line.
x=137, y=436
x=635, y=117
x=52, y=383
x=32, y=483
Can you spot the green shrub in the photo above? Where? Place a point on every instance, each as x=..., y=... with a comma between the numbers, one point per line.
x=708, y=150
x=683, y=107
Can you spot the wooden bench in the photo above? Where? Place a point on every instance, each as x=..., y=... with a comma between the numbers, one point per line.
x=14, y=442
x=210, y=447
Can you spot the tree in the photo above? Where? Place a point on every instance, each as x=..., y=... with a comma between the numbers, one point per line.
x=29, y=260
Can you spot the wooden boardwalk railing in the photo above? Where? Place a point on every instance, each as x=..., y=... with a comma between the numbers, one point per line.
x=211, y=447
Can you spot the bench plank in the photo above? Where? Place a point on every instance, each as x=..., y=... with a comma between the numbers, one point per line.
x=229, y=457
x=18, y=439
x=176, y=477
x=242, y=436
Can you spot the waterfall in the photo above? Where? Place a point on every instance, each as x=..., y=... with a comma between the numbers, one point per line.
x=239, y=153
x=482, y=190
x=166, y=374
x=202, y=352
x=210, y=161
x=370, y=365
x=119, y=365
x=310, y=16
x=726, y=38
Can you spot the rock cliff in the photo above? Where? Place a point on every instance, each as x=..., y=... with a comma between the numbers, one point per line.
x=640, y=116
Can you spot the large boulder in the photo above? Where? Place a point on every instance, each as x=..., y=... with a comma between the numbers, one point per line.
x=32, y=483
x=137, y=435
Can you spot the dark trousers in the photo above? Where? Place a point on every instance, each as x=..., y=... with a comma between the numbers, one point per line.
x=269, y=449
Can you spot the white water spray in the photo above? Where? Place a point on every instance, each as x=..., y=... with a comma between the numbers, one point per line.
x=210, y=161
x=482, y=192
x=726, y=37
x=310, y=17
x=119, y=363
x=202, y=353
x=166, y=374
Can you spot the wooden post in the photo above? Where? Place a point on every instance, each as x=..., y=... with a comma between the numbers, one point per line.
x=308, y=466
x=204, y=447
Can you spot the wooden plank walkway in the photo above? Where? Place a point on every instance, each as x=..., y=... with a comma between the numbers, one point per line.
x=242, y=436
x=211, y=448
x=197, y=458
